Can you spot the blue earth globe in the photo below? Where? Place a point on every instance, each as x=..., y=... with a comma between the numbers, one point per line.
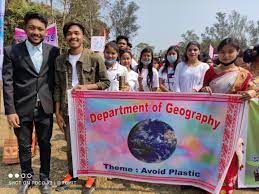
x=152, y=141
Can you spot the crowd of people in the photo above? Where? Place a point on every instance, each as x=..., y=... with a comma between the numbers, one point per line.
x=36, y=78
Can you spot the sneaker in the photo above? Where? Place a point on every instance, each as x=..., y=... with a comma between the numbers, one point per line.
x=65, y=184
x=45, y=187
x=24, y=187
x=89, y=186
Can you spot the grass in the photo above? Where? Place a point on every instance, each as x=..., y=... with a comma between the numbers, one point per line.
x=58, y=170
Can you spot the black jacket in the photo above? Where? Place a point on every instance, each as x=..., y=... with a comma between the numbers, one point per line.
x=21, y=82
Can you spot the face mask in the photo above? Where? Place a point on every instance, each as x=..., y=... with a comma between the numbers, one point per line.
x=110, y=62
x=227, y=64
x=145, y=62
x=171, y=58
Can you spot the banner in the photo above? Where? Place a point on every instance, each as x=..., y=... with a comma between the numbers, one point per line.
x=51, y=38
x=249, y=176
x=2, y=10
x=97, y=43
x=183, y=139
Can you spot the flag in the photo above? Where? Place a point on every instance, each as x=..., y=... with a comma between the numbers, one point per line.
x=211, y=51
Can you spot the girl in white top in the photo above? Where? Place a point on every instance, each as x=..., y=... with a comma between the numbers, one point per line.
x=167, y=71
x=126, y=60
x=148, y=75
x=189, y=74
x=114, y=69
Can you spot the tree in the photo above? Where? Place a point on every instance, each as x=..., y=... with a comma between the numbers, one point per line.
x=187, y=37
x=72, y=9
x=232, y=25
x=123, y=18
x=140, y=46
x=86, y=11
x=254, y=33
x=15, y=11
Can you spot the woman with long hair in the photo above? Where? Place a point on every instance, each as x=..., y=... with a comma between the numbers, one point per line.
x=148, y=75
x=167, y=71
x=189, y=74
x=114, y=69
x=126, y=61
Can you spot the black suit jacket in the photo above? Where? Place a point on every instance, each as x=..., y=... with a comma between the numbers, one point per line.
x=21, y=82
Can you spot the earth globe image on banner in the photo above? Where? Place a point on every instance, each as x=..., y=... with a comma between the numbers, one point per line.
x=152, y=141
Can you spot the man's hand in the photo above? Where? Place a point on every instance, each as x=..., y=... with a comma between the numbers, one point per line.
x=13, y=120
x=61, y=122
x=81, y=87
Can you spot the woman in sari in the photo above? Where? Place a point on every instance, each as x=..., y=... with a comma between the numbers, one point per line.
x=227, y=78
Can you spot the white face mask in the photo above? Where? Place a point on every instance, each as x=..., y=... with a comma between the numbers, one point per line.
x=110, y=62
x=171, y=58
x=145, y=62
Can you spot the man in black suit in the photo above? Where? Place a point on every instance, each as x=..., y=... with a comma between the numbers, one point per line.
x=28, y=83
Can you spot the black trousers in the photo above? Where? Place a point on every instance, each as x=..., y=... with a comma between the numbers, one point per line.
x=43, y=126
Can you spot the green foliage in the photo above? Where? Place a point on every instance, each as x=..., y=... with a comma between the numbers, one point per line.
x=227, y=25
x=123, y=18
x=143, y=45
x=85, y=11
x=186, y=38
x=14, y=14
x=232, y=25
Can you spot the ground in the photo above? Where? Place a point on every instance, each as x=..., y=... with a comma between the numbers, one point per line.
x=58, y=170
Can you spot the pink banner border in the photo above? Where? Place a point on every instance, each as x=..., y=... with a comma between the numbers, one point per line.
x=234, y=104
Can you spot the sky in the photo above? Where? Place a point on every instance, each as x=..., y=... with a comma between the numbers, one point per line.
x=163, y=21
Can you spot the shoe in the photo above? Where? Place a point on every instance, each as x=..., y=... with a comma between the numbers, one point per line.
x=25, y=186
x=65, y=184
x=45, y=187
x=89, y=186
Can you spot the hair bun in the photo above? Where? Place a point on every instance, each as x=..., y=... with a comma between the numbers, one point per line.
x=248, y=55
